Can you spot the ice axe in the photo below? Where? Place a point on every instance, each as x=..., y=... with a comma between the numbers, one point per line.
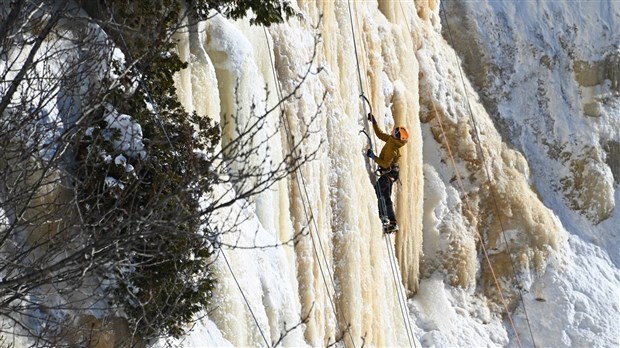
x=369, y=106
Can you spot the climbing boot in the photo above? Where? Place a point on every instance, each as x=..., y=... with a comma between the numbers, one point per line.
x=391, y=227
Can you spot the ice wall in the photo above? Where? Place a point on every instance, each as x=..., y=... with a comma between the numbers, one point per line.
x=556, y=63
x=490, y=183
x=340, y=273
x=462, y=187
x=342, y=265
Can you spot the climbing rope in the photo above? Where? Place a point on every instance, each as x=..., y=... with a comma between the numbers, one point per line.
x=401, y=298
x=493, y=193
x=359, y=72
x=461, y=186
x=309, y=217
x=468, y=207
x=244, y=298
x=470, y=210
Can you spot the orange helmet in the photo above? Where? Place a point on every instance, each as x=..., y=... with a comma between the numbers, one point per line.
x=401, y=133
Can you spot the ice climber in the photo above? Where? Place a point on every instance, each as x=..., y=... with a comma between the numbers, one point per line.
x=388, y=171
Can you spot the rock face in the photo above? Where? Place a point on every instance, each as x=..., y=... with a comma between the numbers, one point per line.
x=89, y=331
x=565, y=87
x=461, y=186
x=494, y=195
x=507, y=120
x=476, y=180
x=599, y=72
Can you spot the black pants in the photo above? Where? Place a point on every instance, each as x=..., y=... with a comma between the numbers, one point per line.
x=383, y=189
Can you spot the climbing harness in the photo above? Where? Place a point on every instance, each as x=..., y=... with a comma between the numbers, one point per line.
x=393, y=173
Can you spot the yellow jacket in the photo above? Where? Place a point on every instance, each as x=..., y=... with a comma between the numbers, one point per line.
x=390, y=154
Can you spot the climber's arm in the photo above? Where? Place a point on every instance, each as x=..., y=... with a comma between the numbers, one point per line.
x=378, y=131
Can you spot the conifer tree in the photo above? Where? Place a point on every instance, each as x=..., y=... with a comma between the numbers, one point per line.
x=103, y=171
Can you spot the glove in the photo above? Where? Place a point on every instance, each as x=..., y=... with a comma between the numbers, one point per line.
x=371, y=117
x=370, y=154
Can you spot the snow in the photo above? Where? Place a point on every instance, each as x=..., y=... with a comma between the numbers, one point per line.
x=573, y=301
x=203, y=334
x=112, y=182
x=452, y=317
x=577, y=303
x=251, y=266
x=129, y=140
